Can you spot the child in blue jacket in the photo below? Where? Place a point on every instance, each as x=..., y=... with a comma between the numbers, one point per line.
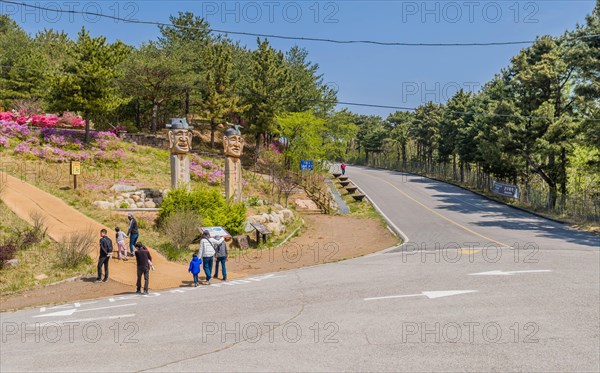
x=195, y=268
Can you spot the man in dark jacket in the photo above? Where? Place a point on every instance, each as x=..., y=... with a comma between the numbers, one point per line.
x=142, y=255
x=106, y=248
x=132, y=232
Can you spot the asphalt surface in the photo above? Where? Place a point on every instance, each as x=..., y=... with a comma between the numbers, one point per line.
x=523, y=294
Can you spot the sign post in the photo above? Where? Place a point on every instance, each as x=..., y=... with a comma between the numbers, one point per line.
x=75, y=170
x=506, y=190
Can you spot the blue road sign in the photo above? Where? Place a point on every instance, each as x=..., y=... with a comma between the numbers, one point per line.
x=306, y=165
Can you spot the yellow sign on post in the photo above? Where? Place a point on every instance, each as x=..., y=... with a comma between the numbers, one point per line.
x=75, y=168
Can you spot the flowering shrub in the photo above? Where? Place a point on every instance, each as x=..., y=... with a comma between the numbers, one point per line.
x=10, y=128
x=59, y=145
x=44, y=120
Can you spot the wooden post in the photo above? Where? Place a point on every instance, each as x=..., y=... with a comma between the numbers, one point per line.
x=75, y=169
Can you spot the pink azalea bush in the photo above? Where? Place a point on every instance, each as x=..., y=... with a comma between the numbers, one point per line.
x=206, y=170
x=60, y=145
x=44, y=120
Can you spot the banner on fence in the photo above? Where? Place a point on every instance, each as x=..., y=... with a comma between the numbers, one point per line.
x=507, y=190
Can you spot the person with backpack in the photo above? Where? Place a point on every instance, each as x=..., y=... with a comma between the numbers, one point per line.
x=207, y=253
x=221, y=255
x=194, y=268
x=132, y=232
x=106, y=248
x=142, y=258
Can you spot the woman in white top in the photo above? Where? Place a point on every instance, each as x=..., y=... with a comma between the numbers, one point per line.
x=207, y=253
x=121, y=243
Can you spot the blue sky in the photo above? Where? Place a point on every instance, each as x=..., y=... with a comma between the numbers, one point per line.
x=398, y=76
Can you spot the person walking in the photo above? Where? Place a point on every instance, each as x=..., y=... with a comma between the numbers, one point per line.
x=132, y=232
x=106, y=248
x=142, y=256
x=121, y=243
x=207, y=253
x=221, y=255
x=195, y=268
x=343, y=167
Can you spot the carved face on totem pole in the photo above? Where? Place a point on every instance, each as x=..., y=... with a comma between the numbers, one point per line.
x=233, y=142
x=180, y=141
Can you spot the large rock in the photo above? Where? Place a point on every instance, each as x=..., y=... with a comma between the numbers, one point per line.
x=278, y=206
x=11, y=263
x=130, y=201
x=123, y=188
x=103, y=205
x=274, y=218
x=150, y=204
x=248, y=227
x=276, y=228
x=288, y=215
x=41, y=277
x=140, y=204
x=136, y=197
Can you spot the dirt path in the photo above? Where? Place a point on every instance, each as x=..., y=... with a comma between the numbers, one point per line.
x=324, y=239
x=63, y=220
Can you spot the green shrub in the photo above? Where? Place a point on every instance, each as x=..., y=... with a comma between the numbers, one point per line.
x=8, y=251
x=253, y=201
x=73, y=251
x=208, y=203
x=173, y=253
x=181, y=228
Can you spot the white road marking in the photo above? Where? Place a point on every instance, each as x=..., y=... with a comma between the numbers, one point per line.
x=84, y=320
x=428, y=294
x=73, y=310
x=507, y=273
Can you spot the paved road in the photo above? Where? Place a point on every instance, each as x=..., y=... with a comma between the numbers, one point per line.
x=501, y=291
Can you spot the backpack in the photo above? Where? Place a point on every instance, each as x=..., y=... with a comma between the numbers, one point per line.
x=221, y=249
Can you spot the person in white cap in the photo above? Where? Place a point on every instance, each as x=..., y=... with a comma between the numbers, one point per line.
x=132, y=233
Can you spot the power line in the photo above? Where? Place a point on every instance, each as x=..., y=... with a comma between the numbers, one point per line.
x=286, y=37
x=337, y=102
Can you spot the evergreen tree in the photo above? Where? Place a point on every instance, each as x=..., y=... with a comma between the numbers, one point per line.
x=87, y=83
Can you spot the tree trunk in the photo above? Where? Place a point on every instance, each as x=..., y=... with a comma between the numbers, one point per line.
x=403, y=156
x=213, y=127
x=187, y=102
x=258, y=144
x=138, y=119
x=86, y=117
x=551, y=202
x=154, y=117
x=462, y=171
x=563, y=176
x=454, y=166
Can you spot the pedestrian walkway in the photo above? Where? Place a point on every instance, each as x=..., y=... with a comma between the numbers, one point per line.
x=63, y=220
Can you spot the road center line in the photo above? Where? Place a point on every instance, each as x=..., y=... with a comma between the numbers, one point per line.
x=437, y=213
